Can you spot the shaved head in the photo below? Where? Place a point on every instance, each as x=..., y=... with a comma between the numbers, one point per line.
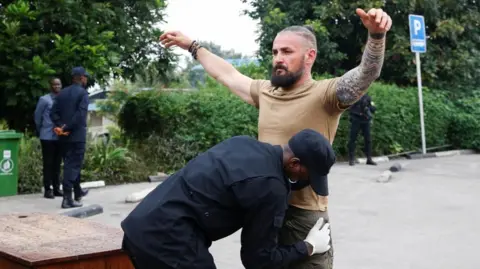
x=304, y=31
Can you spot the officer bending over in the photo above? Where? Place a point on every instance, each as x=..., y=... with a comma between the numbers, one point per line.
x=239, y=183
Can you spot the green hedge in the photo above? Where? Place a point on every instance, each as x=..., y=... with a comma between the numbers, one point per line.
x=164, y=130
x=170, y=128
x=464, y=130
x=175, y=126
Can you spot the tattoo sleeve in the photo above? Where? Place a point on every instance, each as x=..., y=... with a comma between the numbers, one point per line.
x=356, y=81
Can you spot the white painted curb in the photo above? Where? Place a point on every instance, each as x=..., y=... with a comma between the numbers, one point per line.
x=88, y=185
x=386, y=176
x=453, y=153
x=92, y=184
x=380, y=159
x=138, y=196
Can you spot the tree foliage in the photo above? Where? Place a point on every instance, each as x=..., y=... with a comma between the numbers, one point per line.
x=40, y=39
x=452, y=60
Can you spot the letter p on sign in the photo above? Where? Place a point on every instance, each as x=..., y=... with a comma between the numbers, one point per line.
x=417, y=26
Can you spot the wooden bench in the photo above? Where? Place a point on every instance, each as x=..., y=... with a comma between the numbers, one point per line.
x=50, y=241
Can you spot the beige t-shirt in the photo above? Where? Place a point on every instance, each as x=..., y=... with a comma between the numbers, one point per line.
x=283, y=113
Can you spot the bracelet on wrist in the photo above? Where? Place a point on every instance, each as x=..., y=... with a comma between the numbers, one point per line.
x=194, y=47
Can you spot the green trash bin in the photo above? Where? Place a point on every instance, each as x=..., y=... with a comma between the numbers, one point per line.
x=9, y=143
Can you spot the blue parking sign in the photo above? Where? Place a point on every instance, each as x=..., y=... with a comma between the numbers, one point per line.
x=418, y=38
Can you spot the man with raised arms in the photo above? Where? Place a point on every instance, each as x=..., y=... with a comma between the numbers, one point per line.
x=291, y=101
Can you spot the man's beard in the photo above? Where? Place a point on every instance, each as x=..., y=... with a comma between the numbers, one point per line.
x=286, y=80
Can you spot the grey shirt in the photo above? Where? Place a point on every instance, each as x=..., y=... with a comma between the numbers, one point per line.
x=43, y=122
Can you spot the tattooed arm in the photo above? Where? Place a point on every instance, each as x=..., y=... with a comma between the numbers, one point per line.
x=353, y=84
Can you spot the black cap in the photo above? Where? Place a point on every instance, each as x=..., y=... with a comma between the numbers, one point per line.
x=79, y=71
x=316, y=153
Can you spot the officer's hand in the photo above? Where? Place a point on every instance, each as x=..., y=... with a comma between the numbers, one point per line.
x=319, y=238
x=58, y=131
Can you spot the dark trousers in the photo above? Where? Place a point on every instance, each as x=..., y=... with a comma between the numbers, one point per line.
x=52, y=160
x=73, y=155
x=198, y=257
x=355, y=127
x=296, y=226
x=140, y=260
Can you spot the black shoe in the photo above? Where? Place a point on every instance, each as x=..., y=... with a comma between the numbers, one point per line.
x=68, y=202
x=371, y=162
x=80, y=194
x=49, y=194
x=58, y=193
x=351, y=162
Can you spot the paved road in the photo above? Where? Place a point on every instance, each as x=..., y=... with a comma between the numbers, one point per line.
x=426, y=217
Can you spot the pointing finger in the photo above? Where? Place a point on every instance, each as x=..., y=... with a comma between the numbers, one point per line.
x=361, y=13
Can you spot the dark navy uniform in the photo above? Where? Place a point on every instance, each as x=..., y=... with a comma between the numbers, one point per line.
x=70, y=110
x=361, y=115
x=239, y=183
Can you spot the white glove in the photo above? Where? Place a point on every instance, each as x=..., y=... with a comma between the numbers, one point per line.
x=319, y=238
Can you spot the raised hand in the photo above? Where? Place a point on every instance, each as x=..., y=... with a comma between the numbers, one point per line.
x=175, y=38
x=375, y=20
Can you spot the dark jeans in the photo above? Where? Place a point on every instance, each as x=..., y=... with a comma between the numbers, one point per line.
x=73, y=155
x=355, y=127
x=52, y=160
x=296, y=226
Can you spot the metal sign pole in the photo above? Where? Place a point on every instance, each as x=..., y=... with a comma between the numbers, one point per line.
x=420, y=101
x=418, y=44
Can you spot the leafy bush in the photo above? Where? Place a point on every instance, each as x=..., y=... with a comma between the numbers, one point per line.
x=396, y=124
x=112, y=163
x=203, y=117
x=30, y=165
x=173, y=127
x=464, y=129
x=166, y=154
x=3, y=124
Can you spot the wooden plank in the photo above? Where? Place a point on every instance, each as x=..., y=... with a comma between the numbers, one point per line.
x=84, y=264
x=120, y=261
x=4, y=264
x=44, y=239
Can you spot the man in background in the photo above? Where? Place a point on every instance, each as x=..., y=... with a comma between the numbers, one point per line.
x=361, y=115
x=51, y=151
x=292, y=100
x=69, y=115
